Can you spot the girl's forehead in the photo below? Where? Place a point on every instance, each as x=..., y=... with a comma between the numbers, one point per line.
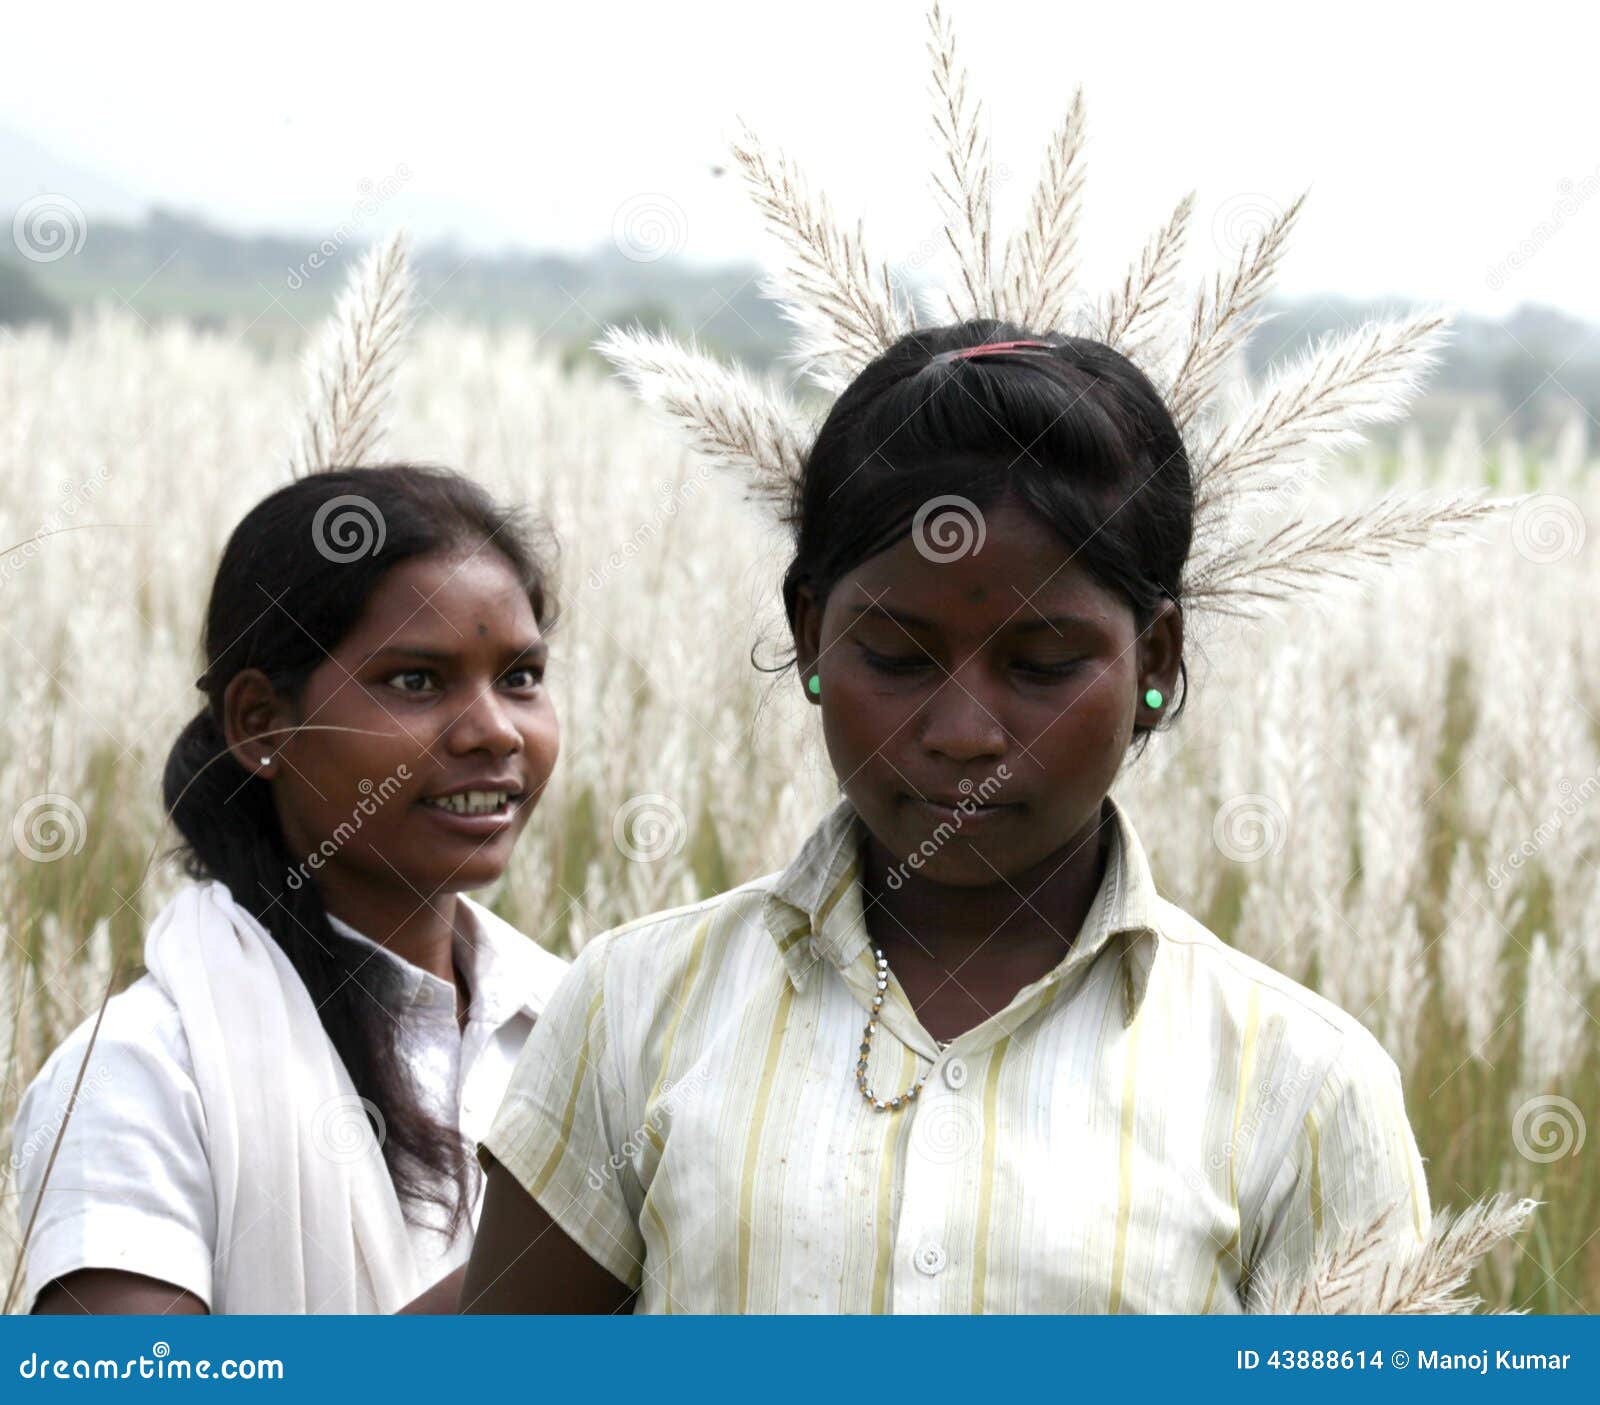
x=957, y=599
x=973, y=558
x=448, y=596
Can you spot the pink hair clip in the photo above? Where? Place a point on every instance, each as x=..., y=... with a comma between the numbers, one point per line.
x=963, y=353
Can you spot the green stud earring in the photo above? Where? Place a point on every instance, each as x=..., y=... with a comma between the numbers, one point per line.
x=814, y=683
x=1152, y=697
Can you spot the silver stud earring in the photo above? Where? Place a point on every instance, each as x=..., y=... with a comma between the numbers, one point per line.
x=267, y=759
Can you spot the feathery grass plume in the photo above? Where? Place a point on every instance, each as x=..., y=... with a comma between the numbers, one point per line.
x=1555, y=1030
x=1312, y=407
x=1224, y=318
x=1288, y=566
x=1469, y=963
x=352, y=368
x=962, y=188
x=1040, y=260
x=732, y=419
x=1131, y=318
x=1369, y=1270
x=845, y=310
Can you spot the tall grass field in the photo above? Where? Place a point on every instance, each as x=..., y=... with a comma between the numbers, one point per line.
x=1394, y=798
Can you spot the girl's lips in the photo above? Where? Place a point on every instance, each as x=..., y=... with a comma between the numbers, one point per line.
x=971, y=813
x=484, y=826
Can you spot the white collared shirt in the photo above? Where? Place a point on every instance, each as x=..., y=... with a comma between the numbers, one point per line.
x=131, y=1187
x=1139, y=1130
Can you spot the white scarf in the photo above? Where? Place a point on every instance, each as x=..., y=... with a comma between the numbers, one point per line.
x=308, y=1220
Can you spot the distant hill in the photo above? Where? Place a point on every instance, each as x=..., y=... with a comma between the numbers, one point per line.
x=273, y=288
x=1524, y=375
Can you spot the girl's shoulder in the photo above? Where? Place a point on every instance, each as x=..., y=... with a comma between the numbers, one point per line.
x=136, y=1067
x=1246, y=992
x=140, y=1021
x=709, y=933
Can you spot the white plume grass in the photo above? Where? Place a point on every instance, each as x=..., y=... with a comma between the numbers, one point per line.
x=1362, y=1271
x=353, y=367
x=731, y=419
x=844, y=307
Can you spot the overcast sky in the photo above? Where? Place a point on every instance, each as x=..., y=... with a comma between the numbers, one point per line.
x=1451, y=153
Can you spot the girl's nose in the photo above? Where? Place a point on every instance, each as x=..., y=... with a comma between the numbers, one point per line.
x=960, y=723
x=486, y=723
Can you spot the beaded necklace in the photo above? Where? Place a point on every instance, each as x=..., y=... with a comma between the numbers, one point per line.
x=901, y=1099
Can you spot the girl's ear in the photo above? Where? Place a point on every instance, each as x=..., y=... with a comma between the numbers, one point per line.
x=807, y=629
x=1160, y=650
x=254, y=721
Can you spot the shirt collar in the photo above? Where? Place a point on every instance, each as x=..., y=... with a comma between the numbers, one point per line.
x=507, y=972
x=813, y=909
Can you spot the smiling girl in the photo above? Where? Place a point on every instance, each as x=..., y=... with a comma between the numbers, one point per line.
x=279, y=1115
x=959, y=1056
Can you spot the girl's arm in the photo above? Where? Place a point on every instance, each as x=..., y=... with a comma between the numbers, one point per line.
x=111, y=1290
x=442, y=1297
x=523, y=1262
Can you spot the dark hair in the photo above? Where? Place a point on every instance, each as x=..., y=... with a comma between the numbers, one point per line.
x=294, y=578
x=1077, y=434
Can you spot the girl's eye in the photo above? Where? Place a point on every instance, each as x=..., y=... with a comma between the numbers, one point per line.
x=895, y=663
x=411, y=674
x=531, y=677
x=1048, y=670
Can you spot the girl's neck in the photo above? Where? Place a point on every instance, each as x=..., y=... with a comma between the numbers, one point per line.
x=1029, y=921
x=422, y=933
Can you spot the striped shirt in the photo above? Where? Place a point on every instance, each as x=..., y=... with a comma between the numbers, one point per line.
x=1142, y=1129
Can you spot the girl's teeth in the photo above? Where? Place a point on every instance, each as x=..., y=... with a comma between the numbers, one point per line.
x=472, y=802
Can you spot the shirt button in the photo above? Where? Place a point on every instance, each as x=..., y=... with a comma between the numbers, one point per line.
x=929, y=1258
x=955, y=1073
